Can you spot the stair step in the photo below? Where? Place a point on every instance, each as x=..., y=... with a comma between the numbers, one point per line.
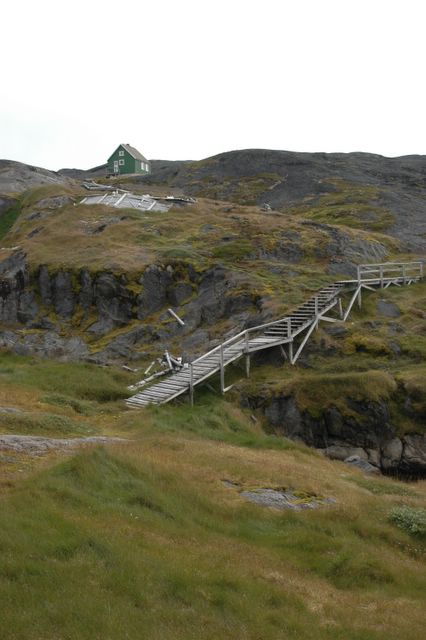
x=301, y=318
x=155, y=394
x=175, y=387
x=280, y=332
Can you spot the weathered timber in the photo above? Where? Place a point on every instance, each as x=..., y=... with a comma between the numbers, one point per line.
x=294, y=329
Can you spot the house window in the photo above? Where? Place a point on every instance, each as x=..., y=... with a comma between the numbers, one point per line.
x=143, y=166
x=121, y=153
x=121, y=162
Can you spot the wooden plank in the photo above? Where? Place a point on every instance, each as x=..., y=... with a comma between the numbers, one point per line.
x=174, y=383
x=305, y=317
x=154, y=394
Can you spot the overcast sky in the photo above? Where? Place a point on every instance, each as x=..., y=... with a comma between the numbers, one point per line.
x=186, y=79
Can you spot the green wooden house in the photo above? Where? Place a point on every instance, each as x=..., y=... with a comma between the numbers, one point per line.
x=127, y=159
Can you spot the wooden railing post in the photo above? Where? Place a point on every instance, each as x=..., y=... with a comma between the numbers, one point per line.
x=247, y=355
x=381, y=276
x=191, y=384
x=404, y=274
x=222, y=371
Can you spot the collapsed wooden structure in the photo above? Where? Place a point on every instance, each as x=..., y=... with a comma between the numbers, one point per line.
x=290, y=333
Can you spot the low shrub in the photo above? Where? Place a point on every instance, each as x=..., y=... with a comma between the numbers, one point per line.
x=411, y=520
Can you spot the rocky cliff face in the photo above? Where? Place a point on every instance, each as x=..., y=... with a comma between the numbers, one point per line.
x=16, y=177
x=46, y=302
x=367, y=432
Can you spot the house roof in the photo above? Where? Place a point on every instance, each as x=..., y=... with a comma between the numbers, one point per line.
x=132, y=151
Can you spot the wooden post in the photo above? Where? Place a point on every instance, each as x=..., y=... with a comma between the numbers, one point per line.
x=404, y=274
x=191, y=384
x=289, y=328
x=359, y=298
x=358, y=274
x=381, y=276
x=222, y=371
x=316, y=313
x=340, y=308
x=290, y=352
x=176, y=317
x=246, y=337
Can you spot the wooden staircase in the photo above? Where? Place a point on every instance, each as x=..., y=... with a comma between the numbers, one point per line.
x=291, y=333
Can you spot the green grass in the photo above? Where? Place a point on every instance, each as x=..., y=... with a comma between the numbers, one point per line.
x=44, y=424
x=411, y=520
x=127, y=543
x=213, y=419
x=352, y=205
x=80, y=381
x=8, y=218
x=384, y=487
x=145, y=540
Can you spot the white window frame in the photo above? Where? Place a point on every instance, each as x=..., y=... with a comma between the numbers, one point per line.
x=121, y=163
x=121, y=153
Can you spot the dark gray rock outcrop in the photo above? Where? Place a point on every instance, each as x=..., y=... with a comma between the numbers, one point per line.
x=45, y=344
x=17, y=301
x=365, y=435
x=39, y=445
x=16, y=177
x=54, y=301
x=296, y=178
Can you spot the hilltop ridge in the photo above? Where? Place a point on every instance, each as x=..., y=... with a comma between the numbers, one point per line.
x=289, y=180
x=95, y=283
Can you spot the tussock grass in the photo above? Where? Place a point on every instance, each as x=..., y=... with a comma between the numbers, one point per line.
x=147, y=540
x=79, y=380
x=213, y=419
x=45, y=424
x=315, y=391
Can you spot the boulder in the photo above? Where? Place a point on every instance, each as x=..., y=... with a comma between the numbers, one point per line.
x=413, y=459
x=388, y=309
x=362, y=464
x=339, y=452
x=391, y=453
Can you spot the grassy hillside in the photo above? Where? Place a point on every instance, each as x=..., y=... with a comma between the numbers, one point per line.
x=148, y=539
x=156, y=537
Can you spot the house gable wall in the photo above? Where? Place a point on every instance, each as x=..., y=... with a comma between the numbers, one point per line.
x=130, y=164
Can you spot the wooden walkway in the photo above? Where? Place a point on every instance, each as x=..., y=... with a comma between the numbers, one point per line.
x=290, y=333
